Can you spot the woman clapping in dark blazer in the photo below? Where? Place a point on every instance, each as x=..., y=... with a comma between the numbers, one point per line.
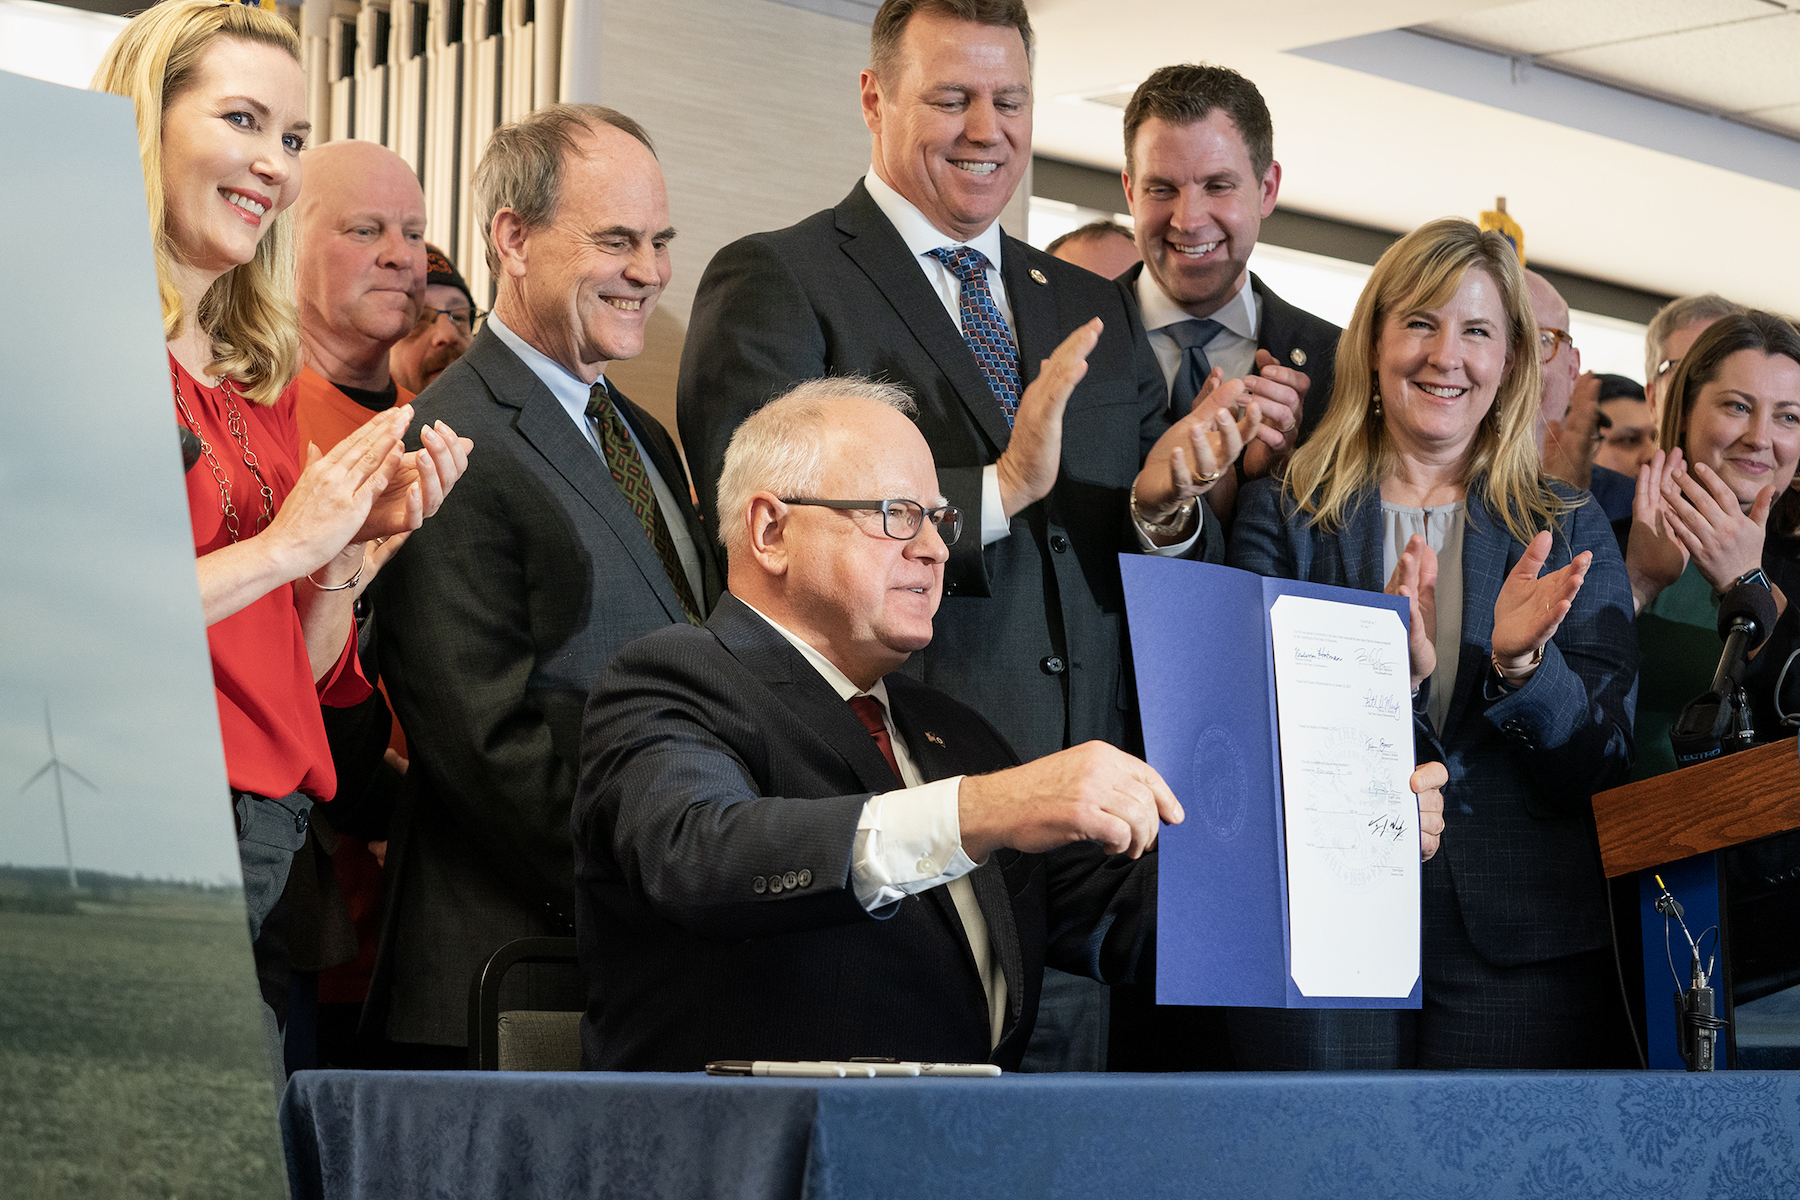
x=1423, y=480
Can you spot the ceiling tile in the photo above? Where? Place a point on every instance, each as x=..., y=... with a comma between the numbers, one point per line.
x=1390, y=153
x=1727, y=68
x=1550, y=26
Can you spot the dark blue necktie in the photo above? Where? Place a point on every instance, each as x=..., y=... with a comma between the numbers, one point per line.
x=1192, y=337
x=983, y=328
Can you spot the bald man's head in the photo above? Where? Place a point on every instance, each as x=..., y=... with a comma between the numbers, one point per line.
x=1563, y=368
x=361, y=217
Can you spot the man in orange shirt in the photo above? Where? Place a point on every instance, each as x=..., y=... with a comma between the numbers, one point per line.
x=362, y=282
x=362, y=278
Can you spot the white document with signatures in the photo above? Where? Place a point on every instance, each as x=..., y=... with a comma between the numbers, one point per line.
x=1343, y=699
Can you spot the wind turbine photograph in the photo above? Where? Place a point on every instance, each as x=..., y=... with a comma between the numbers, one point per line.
x=56, y=769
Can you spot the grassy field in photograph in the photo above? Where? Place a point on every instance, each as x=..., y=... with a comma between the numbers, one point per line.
x=131, y=1060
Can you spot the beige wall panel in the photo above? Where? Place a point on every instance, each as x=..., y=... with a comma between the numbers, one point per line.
x=371, y=108
x=521, y=55
x=546, y=53
x=371, y=80
x=406, y=111
x=315, y=55
x=341, y=94
x=753, y=107
x=441, y=73
x=406, y=89
x=480, y=85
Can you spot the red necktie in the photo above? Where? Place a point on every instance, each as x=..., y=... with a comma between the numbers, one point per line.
x=868, y=710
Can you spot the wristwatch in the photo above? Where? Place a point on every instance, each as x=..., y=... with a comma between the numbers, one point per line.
x=1753, y=575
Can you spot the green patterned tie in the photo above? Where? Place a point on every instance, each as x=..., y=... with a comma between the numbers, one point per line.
x=634, y=484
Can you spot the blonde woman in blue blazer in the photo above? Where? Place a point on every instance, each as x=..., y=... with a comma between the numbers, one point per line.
x=1424, y=480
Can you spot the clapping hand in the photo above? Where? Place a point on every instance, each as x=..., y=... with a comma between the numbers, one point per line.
x=1571, y=443
x=336, y=491
x=1282, y=393
x=1192, y=454
x=1654, y=556
x=1027, y=468
x=422, y=480
x=1415, y=577
x=1707, y=519
x=1530, y=607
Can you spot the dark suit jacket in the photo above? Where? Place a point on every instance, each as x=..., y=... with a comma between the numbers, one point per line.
x=1523, y=765
x=1030, y=633
x=1296, y=338
x=495, y=619
x=712, y=758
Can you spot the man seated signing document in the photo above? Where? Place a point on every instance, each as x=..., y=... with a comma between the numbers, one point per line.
x=784, y=850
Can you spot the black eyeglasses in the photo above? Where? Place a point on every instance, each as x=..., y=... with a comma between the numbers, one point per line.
x=467, y=321
x=900, y=519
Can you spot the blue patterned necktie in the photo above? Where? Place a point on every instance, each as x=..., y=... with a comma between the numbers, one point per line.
x=1193, y=338
x=983, y=328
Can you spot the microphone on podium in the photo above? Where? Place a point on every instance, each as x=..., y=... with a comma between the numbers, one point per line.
x=1718, y=721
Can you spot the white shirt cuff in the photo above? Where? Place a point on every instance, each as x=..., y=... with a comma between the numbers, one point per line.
x=1179, y=548
x=907, y=842
x=994, y=522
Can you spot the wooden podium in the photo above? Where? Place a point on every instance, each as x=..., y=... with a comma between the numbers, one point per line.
x=1672, y=825
x=1710, y=806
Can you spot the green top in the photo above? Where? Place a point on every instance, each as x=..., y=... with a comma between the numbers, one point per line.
x=1678, y=651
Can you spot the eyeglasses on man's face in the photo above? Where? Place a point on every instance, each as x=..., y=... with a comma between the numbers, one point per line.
x=900, y=519
x=1549, y=340
x=466, y=320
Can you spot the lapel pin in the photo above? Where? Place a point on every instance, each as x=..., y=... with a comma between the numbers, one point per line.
x=1038, y=275
x=1297, y=356
x=934, y=739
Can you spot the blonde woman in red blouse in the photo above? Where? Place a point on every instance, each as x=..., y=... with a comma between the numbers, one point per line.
x=285, y=536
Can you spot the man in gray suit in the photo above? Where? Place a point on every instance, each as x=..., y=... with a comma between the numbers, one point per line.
x=574, y=535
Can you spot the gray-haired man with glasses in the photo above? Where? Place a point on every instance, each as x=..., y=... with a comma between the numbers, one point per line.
x=786, y=849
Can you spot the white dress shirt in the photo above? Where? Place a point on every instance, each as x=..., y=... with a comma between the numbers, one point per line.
x=1233, y=348
x=922, y=237
x=910, y=841
x=573, y=395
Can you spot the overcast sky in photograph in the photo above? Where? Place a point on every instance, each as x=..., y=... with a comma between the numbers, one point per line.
x=99, y=608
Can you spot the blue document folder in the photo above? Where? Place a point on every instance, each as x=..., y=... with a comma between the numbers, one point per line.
x=1200, y=642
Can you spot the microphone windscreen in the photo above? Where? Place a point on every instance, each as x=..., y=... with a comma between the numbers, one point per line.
x=1751, y=600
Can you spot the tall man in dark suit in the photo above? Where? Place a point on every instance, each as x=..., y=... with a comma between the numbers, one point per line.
x=784, y=847
x=911, y=279
x=576, y=536
x=1200, y=176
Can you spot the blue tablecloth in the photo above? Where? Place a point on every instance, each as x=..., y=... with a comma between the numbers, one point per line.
x=391, y=1135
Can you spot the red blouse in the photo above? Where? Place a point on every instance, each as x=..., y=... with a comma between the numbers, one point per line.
x=268, y=704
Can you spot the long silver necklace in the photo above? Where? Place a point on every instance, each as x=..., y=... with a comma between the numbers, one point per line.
x=234, y=421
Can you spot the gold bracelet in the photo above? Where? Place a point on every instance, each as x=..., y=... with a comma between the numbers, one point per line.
x=1174, y=527
x=1537, y=658
x=337, y=587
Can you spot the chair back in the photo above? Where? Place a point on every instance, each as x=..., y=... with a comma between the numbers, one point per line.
x=521, y=1039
